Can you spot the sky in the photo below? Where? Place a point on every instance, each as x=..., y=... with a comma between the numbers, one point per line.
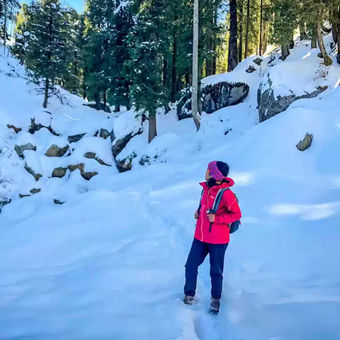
x=77, y=4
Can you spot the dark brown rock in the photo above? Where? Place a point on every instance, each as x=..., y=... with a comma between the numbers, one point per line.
x=56, y=151
x=16, y=130
x=305, y=143
x=26, y=147
x=30, y=171
x=59, y=172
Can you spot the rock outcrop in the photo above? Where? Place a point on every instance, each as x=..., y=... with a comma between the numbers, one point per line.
x=214, y=97
x=270, y=105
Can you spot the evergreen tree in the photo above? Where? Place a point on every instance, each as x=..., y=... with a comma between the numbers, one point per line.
x=8, y=10
x=46, y=44
x=72, y=75
x=119, y=85
x=284, y=23
x=232, y=51
x=22, y=32
x=97, y=52
x=146, y=59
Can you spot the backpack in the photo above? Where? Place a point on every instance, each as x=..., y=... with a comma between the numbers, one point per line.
x=233, y=226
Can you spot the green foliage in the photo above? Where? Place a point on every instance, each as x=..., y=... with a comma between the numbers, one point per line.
x=147, y=44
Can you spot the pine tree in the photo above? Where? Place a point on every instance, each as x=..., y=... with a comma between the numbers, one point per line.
x=146, y=59
x=232, y=58
x=72, y=28
x=97, y=51
x=22, y=32
x=45, y=52
x=284, y=23
x=314, y=13
x=119, y=86
x=7, y=13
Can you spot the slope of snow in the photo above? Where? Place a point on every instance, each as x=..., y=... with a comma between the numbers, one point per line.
x=109, y=263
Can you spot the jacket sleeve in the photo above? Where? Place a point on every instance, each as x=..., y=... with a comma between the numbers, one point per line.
x=232, y=210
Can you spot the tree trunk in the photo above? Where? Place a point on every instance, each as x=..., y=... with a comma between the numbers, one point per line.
x=335, y=21
x=313, y=41
x=261, y=28
x=302, y=29
x=96, y=98
x=247, y=30
x=195, y=67
x=232, y=53
x=152, y=127
x=165, y=71
x=240, y=43
x=5, y=23
x=338, y=36
x=46, y=93
x=284, y=52
x=214, y=61
x=265, y=37
x=117, y=108
x=174, y=70
x=325, y=56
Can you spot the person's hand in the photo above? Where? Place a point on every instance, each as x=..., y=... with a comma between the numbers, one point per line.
x=196, y=215
x=211, y=217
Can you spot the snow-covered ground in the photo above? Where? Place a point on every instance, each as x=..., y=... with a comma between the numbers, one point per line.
x=109, y=263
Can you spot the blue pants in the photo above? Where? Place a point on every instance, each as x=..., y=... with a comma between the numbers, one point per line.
x=198, y=252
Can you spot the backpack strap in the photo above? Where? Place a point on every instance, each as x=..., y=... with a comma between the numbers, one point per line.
x=218, y=200
x=199, y=207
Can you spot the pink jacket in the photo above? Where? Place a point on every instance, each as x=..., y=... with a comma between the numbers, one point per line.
x=227, y=213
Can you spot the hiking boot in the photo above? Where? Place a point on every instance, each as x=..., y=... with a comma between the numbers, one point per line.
x=189, y=300
x=214, y=306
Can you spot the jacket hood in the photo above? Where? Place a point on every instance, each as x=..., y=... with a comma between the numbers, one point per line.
x=228, y=184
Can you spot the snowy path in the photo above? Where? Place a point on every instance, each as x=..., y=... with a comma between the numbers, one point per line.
x=109, y=265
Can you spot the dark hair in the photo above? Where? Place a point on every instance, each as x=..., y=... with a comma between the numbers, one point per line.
x=223, y=167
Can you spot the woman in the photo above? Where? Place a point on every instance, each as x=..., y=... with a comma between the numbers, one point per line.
x=212, y=233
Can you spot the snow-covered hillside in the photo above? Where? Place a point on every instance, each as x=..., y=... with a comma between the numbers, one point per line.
x=109, y=262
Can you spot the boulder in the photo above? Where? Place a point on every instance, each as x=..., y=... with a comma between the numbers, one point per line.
x=59, y=172
x=92, y=155
x=125, y=164
x=58, y=202
x=214, y=97
x=30, y=171
x=258, y=61
x=250, y=69
x=16, y=129
x=76, y=138
x=88, y=175
x=36, y=127
x=79, y=166
x=103, y=133
x=35, y=190
x=305, y=143
x=56, y=151
x=4, y=202
x=270, y=105
x=119, y=145
x=21, y=148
